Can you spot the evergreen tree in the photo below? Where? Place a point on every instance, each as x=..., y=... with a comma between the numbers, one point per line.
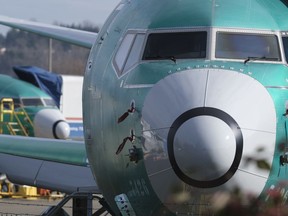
x=22, y=48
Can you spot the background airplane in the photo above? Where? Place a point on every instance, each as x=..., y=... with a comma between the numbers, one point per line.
x=66, y=91
x=27, y=110
x=200, y=92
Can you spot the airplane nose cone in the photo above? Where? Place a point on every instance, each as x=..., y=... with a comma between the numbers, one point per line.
x=204, y=138
x=50, y=123
x=61, y=129
x=199, y=128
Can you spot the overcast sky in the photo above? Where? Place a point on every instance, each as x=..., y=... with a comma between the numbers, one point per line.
x=61, y=11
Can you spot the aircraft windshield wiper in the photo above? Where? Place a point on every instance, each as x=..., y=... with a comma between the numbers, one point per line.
x=260, y=58
x=172, y=58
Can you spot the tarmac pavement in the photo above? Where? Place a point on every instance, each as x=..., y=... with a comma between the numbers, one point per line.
x=33, y=207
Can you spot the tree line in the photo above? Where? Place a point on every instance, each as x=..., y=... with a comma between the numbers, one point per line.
x=19, y=48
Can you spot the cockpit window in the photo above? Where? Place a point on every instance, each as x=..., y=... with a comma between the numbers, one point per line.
x=24, y=102
x=247, y=46
x=17, y=103
x=49, y=102
x=128, y=54
x=175, y=45
x=32, y=102
x=285, y=45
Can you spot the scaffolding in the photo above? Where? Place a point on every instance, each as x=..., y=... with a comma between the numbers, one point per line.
x=12, y=120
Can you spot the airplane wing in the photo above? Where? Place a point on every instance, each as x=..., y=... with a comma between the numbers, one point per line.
x=73, y=36
x=48, y=163
x=60, y=165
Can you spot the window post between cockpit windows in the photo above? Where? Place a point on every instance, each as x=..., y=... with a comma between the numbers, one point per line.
x=285, y=46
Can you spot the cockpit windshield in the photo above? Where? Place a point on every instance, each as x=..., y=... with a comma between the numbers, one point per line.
x=25, y=102
x=175, y=45
x=32, y=102
x=247, y=46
